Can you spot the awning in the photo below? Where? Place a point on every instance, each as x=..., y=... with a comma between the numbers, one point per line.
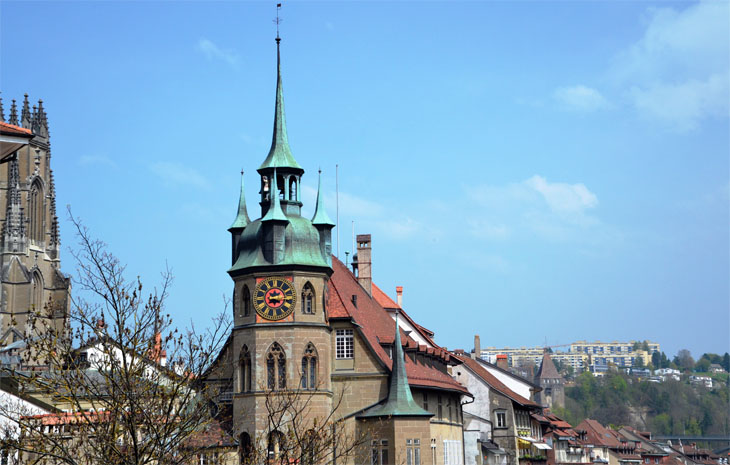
x=498, y=451
x=542, y=445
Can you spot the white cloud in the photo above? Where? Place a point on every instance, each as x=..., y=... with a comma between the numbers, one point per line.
x=98, y=160
x=177, y=174
x=213, y=52
x=580, y=98
x=678, y=71
x=553, y=210
x=562, y=197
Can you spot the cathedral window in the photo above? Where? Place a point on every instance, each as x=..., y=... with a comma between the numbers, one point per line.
x=37, y=296
x=309, y=368
x=245, y=302
x=245, y=370
x=308, y=299
x=276, y=367
x=277, y=446
x=344, y=344
x=36, y=212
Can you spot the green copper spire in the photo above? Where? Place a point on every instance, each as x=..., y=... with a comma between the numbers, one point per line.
x=320, y=215
x=275, y=212
x=400, y=400
x=280, y=154
x=242, y=220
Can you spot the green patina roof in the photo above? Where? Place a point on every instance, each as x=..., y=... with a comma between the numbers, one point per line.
x=320, y=215
x=275, y=212
x=400, y=400
x=280, y=155
x=242, y=220
x=302, y=248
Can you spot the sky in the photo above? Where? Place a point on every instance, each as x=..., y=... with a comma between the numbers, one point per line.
x=535, y=172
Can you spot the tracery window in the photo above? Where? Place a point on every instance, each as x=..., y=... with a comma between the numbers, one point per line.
x=36, y=212
x=37, y=296
x=309, y=368
x=245, y=370
x=308, y=299
x=276, y=367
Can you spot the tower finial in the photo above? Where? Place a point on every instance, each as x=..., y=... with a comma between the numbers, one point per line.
x=277, y=21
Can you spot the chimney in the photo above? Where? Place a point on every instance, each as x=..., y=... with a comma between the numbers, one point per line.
x=502, y=361
x=399, y=293
x=364, y=269
x=477, y=347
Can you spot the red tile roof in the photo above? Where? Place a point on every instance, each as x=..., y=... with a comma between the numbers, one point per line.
x=493, y=382
x=599, y=434
x=11, y=129
x=377, y=328
x=383, y=299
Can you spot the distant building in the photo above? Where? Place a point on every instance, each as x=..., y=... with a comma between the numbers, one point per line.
x=551, y=382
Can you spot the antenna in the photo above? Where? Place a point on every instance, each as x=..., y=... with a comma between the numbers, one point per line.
x=277, y=21
x=353, y=239
x=337, y=201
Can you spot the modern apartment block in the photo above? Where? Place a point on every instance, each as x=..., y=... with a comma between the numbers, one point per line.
x=581, y=355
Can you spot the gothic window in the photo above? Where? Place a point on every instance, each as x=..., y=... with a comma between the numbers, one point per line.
x=245, y=370
x=276, y=367
x=308, y=299
x=277, y=447
x=245, y=302
x=309, y=368
x=244, y=447
x=36, y=212
x=37, y=296
x=310, y=448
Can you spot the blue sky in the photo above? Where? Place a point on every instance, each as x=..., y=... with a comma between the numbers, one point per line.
x=530, y=171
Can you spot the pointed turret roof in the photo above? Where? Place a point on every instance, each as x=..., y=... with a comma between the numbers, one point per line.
x=547, y=368
x=275, y=212
x=320, y=215
x=280, y=155
x=242, y=220
x=400, y=400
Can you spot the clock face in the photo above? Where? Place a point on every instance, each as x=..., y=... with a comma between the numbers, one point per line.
x=274, y=298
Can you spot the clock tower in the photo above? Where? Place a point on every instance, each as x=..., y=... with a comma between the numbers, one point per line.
x=281, y=267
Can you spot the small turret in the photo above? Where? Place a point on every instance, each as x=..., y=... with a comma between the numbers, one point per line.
x=239, y=224
x=14, y=238
x=323, y=223
x=2, y=111
x=13, y=119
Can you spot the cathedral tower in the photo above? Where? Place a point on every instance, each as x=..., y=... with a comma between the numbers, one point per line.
x=30, y=275
x=281, y=267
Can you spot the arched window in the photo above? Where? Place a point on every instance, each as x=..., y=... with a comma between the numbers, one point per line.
x=281, y=186
x=276, y=367
x=309, y=368
x=35, y=198
x=293, y=189
x=277, y=449
x=308, y=299
x=245, y=301
x=244, y=448
x=244, y=363
x=37, y=296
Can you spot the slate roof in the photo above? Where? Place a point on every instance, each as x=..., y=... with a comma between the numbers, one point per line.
x=378, y=328
x=494, y=382
x=547, y=368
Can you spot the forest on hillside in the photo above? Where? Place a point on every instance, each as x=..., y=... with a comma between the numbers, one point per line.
x=670, y=407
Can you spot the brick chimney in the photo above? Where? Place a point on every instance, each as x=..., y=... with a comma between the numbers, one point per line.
x=364, y=262
x=502, y=361
x=399, y=293
x=477, y=347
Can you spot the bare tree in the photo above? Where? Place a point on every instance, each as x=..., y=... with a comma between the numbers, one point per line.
x=124, y=381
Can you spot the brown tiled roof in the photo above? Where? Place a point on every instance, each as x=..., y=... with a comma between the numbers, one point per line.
x=212, y=435
x=377, y=328
x=493, y=382
x=383, y=299
x=11, y=129
x=599, y=434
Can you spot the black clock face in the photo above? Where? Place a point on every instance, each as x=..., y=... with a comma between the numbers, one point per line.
x=274, y=298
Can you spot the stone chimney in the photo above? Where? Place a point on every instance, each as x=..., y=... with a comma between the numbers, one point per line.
x=477, y=348
x=364, y=262
x=502, y=361
x=399, y=293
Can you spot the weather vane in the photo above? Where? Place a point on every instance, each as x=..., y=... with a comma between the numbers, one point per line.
x=277, y=21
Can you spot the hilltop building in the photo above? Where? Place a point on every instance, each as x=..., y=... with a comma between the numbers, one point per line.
x=305, y=324
x=30, y=265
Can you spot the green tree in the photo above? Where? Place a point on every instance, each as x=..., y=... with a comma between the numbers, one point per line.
x=726, y=361
x=702, y=365
x=684, y=360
